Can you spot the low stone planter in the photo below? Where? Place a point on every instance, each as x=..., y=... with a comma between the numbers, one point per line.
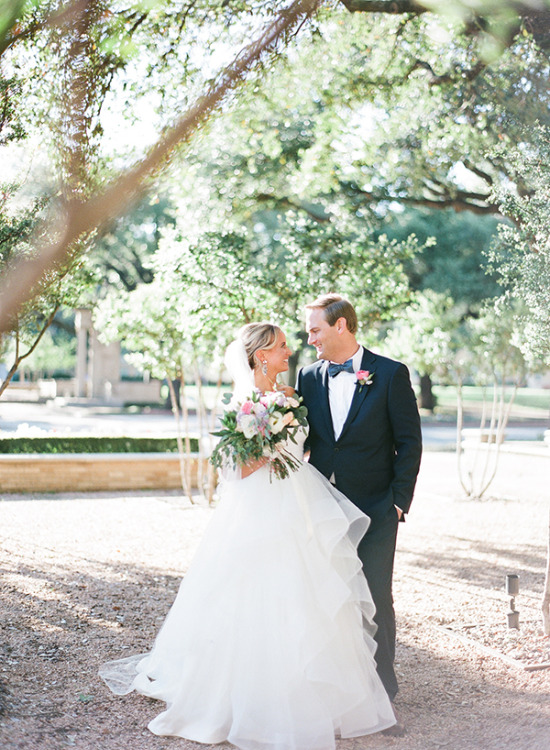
x=88, y=472
x=481, y=436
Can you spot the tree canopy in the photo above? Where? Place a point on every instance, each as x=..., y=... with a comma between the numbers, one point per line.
x=350, y=110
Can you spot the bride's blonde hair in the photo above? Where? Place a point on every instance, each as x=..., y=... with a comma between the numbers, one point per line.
x=256, y=336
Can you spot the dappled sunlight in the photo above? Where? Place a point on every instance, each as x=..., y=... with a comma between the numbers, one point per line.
x=72, y=600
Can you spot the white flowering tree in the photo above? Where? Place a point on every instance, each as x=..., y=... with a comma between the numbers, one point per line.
x=437, y=339
x=178, y=327
x=522, y=256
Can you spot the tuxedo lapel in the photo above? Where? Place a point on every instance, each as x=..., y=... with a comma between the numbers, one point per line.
x=367, y=363
x=322, y=388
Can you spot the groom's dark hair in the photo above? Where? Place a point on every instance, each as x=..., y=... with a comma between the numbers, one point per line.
x=335, y=307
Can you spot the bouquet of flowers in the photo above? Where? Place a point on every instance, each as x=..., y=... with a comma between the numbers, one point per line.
x=258, y=427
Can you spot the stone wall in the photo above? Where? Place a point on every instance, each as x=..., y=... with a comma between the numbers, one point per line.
x=92, y=472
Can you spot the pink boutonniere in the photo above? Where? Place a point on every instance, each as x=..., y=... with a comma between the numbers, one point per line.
x=364, y=377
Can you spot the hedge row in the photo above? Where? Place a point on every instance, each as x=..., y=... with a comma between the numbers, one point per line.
x=80, y=444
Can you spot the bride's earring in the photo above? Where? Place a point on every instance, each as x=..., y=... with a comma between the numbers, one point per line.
x=264, y=367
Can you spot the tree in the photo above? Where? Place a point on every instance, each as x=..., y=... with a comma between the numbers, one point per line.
x=174, y=335
x=122, y=255
x=421, y=110
x=89, y=48
x=94, y=44
x=439, y=341
x=424, y=142
x=56, y=355
x=521, y=254
x=452, y=262
x=151, y=329
x=428, y=336
x=426, y=333
x=78, y=215
x=500, y=368
x=453, y=259
x=275, y=274
x=63, y=286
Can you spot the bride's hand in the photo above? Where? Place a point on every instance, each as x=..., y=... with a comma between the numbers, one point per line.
x=253, y=466
x=287, y=390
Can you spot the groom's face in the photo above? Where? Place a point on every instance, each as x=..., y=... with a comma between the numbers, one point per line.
x=325, y=338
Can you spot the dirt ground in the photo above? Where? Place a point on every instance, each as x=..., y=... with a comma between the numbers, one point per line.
x=89, y=577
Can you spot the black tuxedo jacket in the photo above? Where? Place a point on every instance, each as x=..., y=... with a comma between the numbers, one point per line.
x=375, y=460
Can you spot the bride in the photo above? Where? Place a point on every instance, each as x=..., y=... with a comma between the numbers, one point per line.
x=268, y=644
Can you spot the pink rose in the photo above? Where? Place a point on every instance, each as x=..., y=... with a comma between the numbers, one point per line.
x=247, y=407
x=288, y=417
x=364, y=377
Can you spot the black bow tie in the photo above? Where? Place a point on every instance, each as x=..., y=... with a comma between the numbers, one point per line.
x=334, y=369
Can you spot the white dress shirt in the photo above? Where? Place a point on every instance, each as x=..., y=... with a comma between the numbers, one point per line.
x=340, y=393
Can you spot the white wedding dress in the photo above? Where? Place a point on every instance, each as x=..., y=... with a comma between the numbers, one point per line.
x=268, y=644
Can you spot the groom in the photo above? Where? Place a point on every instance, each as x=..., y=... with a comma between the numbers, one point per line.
x=365, y=438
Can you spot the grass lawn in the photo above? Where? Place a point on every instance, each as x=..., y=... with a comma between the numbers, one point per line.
x=529, y=402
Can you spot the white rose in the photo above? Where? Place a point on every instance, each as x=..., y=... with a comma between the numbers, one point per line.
x=294, y=403
x=248, y=425
x=276, y=422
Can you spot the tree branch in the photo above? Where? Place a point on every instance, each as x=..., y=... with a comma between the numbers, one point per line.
x=485, y=176
x=459, y=201
x=537, y=22
x=459, y=76
x=318, y=215
x=449, y=191
x=393, y=7
x=440, y=80
x=78, y=217
x=62, y=17
x=20, y=357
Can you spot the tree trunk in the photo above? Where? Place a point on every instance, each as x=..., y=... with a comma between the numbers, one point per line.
x=212, y=474
x=292, y=368
x=202, y=416
x=20, y=357
x=459, y=449
x=491, y=435
x=182, y=452
x=294, y=358
x=545, y=604
x=427, y=399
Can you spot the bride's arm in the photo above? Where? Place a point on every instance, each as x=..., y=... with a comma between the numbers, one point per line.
x=253, y=466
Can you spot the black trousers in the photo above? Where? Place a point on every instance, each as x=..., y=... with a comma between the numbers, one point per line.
x=377, y=552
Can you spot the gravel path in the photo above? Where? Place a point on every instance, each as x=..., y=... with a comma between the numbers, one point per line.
x=89, y=577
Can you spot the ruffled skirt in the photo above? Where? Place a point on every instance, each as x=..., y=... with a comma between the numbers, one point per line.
x=268, y=644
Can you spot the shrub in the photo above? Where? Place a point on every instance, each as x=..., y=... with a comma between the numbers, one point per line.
x=83, y=444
